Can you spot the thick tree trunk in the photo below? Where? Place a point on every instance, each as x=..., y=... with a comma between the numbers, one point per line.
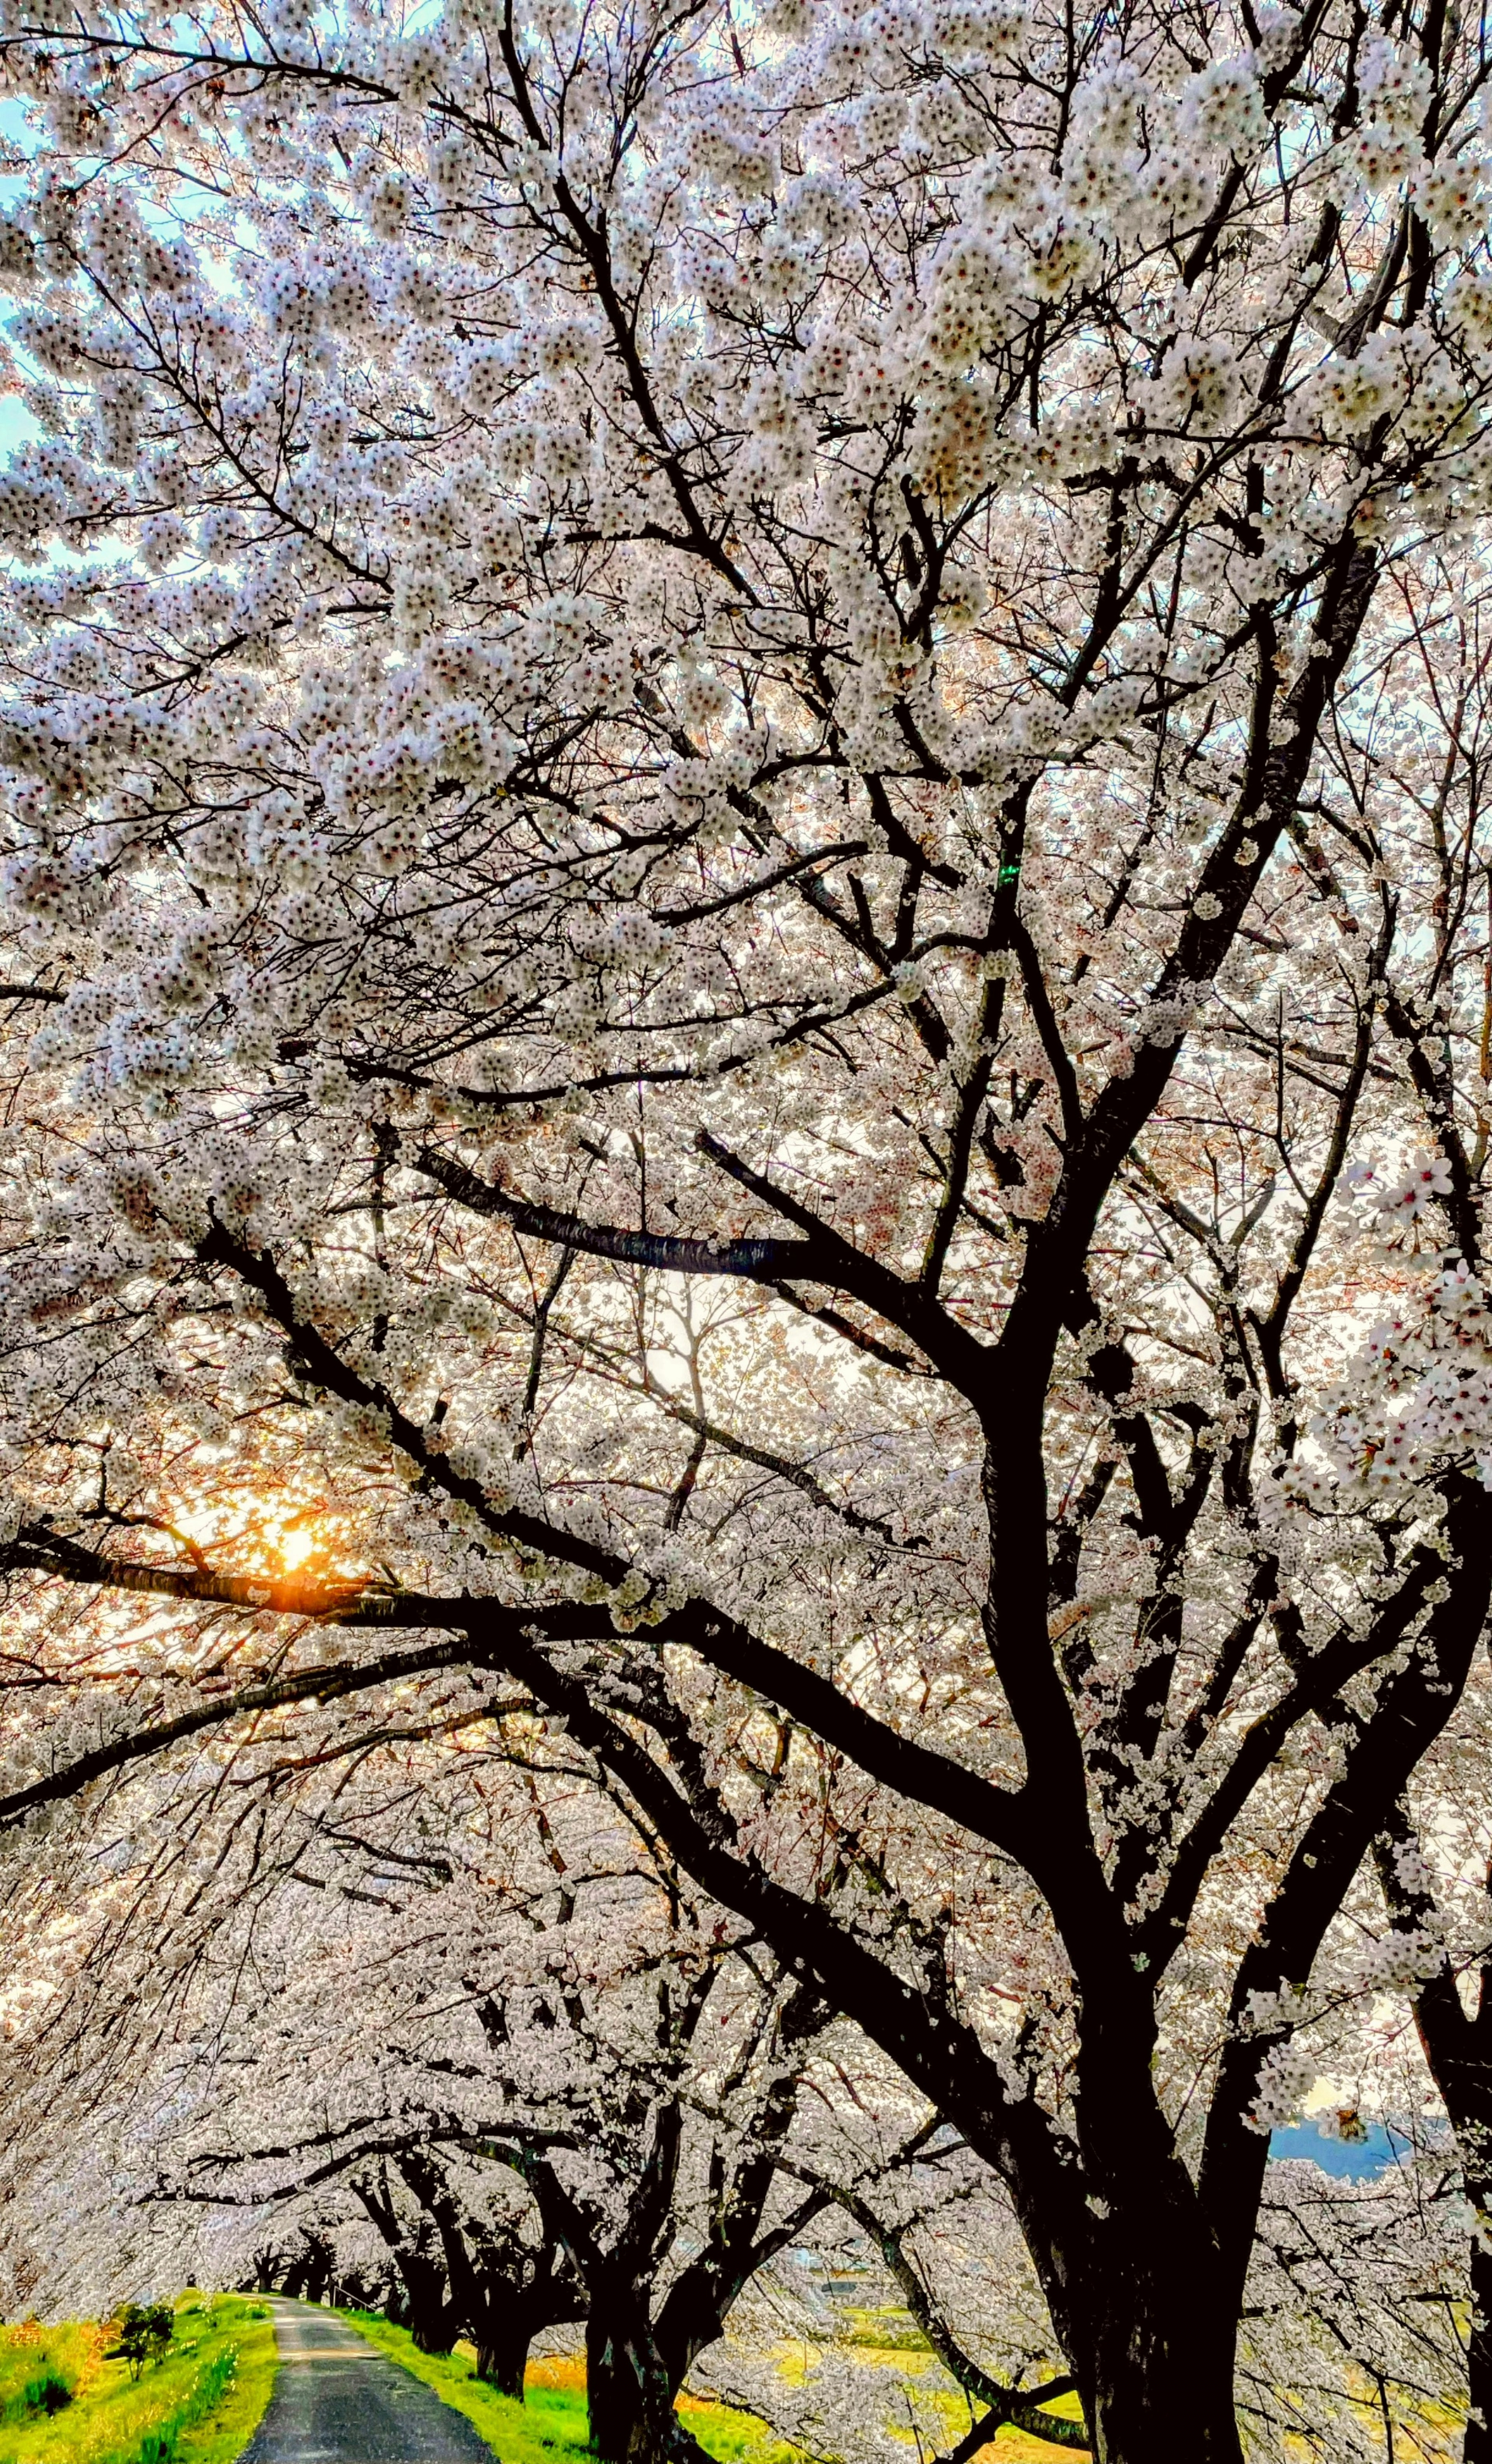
x=502, y=2359
x=434, y=2323
x=627, y=2387
x=1148, y=2269
x=433, y=2331
x=1163, y=2368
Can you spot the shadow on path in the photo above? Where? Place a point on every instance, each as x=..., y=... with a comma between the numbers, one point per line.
x=337, y=2401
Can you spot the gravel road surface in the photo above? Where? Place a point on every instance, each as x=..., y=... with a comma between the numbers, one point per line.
x=337, y=2401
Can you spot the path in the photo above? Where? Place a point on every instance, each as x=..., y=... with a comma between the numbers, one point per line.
x=337, y=2401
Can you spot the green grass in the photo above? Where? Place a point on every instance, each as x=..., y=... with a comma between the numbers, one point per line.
x=200, y=2404
x=221, y=2437
x=31, y=2356
x=551, y=2426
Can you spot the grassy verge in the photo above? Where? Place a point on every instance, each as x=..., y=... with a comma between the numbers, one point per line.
x=200, y=2404
x=222, y=2437
x=549, y=2427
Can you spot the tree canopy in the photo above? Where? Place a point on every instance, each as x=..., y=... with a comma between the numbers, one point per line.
x=746, y=929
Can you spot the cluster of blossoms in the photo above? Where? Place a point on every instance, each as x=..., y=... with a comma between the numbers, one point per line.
x=1396, y=1203
x=1420, y=1391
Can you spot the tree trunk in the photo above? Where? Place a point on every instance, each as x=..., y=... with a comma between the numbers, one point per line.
x=627, y=2387
x=433, y=2322
x=501, y=2359
x=1163, y=2375
x=433, y=2330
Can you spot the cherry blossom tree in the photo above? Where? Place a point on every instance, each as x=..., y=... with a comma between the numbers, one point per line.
x=748, y=994
x=505, y=2284
x=1349, y=2348
x=430, y=2252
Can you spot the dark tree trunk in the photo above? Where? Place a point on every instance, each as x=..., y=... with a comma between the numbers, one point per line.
x=1162, y=2365
x=1145, y=2274
x=503, y=2316
x=627, y=2387
x=433, y=2319
x=434, y=2326
x=361, y=2291
x=503, y=2359
x=433, y=2334
x=495, y=2288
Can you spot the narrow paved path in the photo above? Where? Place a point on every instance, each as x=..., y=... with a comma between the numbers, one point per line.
x=337, y=2401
